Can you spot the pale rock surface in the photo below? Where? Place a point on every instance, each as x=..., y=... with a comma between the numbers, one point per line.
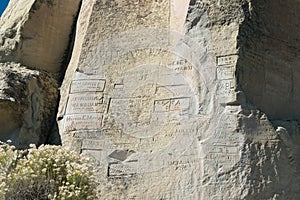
x=168, y=98
x=173, y=99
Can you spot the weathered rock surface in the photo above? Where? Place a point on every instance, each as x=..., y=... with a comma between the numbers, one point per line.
x=165, y=96
x=269, y=58
x=35, y=37
x=38, y=34
x=174, y=99
x=26, y=105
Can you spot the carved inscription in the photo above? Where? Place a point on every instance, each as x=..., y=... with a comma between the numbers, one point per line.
x=88, y=134
x=226, y=60
x=108, y=3
x=87, y=86
x=224, y=73
x=93, y=148
x=226, y=77
x=131, y=3
x=116, y=169
x=137, y=110
x=83, y=121
x=224, y=149
x=226, y=88
x=174, y=104
x=92, y=144
x=85, y=103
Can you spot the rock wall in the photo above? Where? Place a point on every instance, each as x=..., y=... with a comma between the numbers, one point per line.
x=266, y=74
x=269, y=58
x=164, y=95
x=172, y=99
x=38, y=35
x=35, y=37
x=27, y=105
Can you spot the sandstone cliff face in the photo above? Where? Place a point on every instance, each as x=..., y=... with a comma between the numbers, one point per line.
x=38, y=34
x=172, y=99
x=34, y=37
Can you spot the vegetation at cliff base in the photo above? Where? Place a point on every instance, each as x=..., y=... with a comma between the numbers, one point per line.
x=47, y=172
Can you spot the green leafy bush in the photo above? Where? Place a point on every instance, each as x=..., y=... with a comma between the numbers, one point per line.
x=49, y=172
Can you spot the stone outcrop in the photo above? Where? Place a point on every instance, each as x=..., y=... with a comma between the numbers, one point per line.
x=38, y=35
x=35, y=38
x=173, y=99
x=26, y=105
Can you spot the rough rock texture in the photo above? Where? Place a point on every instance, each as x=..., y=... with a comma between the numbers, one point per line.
x=173, y=99
x=35, y=37
x=37, y=33
x=269, y=64
x=267, y=72
x=26, y=105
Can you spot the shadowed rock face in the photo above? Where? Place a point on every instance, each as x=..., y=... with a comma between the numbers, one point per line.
x=26, y=105
x=269, y=58
x=173, y=99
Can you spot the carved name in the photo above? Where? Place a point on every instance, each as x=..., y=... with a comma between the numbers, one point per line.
x=226, y=60
x=87, y=86
x=224, y=73
x=85, y=103
x=83, y=121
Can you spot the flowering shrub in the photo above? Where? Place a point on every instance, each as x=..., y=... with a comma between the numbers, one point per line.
x=8, y=158
x=49, y=172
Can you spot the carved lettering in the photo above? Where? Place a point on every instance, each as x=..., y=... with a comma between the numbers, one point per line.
x=226, y=60
x=225, y=73
x=174, y=104
x=87, y=86
x=83, y=121
x=92, y=144
x=226, y=88
x=85, y=103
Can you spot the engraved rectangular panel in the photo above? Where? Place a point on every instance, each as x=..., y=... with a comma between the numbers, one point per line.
x=85, y=103
x=224, y=149
x=93, y=144
x=87, y=86
x=226, y=60
x=226, y=91
x=119, y=170
x=95, y=134
x=225, y=73
x=83, y=121
x=118, y=105
x=174, y=104
x=93, y=148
